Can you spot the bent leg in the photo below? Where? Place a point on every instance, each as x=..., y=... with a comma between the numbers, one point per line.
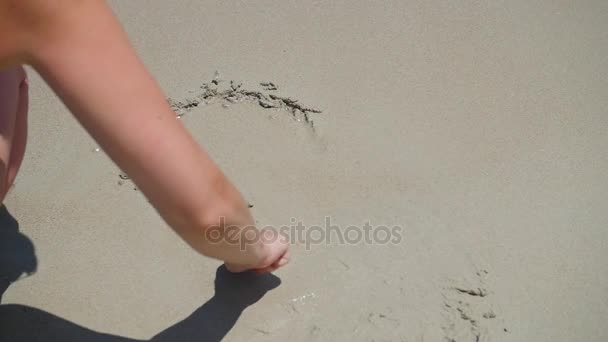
x=13, y=124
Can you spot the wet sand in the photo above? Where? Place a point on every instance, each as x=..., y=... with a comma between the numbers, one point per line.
x=478, y=129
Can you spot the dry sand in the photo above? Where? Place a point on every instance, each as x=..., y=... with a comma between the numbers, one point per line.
x=481, y=129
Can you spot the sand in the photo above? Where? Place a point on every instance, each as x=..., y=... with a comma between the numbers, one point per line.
x=479, y=129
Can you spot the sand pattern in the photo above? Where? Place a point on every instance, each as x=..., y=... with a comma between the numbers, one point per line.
x=469, y=313
x=232, y=92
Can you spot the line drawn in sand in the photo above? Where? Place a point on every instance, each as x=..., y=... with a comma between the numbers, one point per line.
x=215, y=91
x=228, y=93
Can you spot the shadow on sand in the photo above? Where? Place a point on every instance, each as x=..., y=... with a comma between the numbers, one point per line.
x=211, y=322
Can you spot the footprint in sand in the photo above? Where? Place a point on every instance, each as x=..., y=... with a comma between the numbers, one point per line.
x=469, y=312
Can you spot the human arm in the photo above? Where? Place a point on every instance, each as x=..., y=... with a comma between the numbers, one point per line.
x=83, y=53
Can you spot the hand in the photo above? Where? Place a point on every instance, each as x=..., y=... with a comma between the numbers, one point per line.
x=276, y=254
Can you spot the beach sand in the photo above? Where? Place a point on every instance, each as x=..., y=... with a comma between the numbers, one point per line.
x=479, y=129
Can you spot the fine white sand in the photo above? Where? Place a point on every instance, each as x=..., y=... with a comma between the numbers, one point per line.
x=479, y=128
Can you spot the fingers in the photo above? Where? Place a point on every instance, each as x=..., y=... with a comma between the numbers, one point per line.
x=282, y=261
x=279, y=252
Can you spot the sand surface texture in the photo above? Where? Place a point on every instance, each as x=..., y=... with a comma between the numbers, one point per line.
x=478, y=128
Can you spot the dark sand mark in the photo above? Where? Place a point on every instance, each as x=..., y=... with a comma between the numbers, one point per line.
x=479, y=292
x=232, y=92
x=468, y=312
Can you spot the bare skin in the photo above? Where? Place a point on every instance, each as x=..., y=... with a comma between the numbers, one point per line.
x=13, y=125
x=83, y=53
